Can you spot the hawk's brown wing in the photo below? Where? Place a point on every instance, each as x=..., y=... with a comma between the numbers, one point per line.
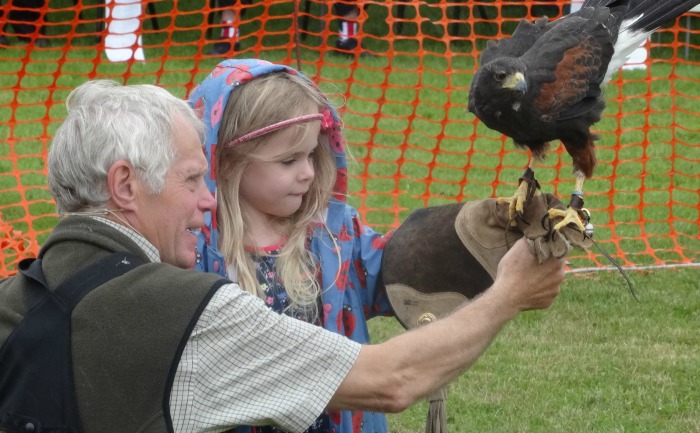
x=567, y=66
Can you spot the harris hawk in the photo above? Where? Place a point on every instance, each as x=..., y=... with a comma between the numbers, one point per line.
x=545, y=83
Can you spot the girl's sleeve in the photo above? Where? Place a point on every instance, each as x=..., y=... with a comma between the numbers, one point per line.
x=367, y=259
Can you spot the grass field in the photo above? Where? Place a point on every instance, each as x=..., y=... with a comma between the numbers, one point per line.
x=597, y=361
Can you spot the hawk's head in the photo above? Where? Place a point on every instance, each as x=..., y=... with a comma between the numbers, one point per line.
x=497, y=88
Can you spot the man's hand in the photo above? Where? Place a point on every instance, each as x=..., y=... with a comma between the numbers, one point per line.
x=537, y=224
x=524, y=283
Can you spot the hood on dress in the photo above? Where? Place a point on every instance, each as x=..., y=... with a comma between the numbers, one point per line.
x=209, y=100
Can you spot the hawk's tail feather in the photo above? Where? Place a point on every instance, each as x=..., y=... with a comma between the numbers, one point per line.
x=639, y=20
x=645, y=15
x=653, y=14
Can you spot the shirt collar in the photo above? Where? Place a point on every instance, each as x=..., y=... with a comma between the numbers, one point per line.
x=135, y=236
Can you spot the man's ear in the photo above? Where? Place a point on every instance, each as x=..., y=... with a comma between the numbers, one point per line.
x=122, y=183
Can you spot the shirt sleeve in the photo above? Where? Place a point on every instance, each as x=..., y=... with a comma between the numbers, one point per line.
x=247, y=365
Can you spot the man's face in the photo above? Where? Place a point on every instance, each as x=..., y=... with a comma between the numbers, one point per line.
x=168, y=219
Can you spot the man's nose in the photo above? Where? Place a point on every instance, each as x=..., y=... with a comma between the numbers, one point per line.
x=207, y=201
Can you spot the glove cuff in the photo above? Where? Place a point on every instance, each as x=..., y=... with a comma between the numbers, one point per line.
x=483, y=227
x=426, y=255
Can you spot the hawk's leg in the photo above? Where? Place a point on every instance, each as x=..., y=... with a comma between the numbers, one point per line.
x=527, y=188
x=575, y=213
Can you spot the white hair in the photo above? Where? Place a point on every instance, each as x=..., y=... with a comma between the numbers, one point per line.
x=108, y=122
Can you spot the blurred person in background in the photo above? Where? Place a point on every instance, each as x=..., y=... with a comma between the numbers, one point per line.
x=22, y=16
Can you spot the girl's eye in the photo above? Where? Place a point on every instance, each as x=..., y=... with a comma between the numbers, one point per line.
x=288, y=161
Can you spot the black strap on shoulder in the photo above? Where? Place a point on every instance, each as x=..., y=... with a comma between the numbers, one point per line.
x=37, y=392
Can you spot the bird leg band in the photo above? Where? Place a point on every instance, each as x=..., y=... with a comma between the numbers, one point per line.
x=576, y=201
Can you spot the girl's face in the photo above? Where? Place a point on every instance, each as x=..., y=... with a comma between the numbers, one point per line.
x=274, y=188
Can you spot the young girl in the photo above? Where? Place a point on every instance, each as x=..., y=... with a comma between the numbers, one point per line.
x=285, y=232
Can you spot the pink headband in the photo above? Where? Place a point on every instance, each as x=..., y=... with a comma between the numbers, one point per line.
x=325, y=117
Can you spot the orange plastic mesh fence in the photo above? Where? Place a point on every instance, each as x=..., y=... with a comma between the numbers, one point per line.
x=403, y=96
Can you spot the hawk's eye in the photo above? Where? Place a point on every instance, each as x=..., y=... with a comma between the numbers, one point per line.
x=500, y=76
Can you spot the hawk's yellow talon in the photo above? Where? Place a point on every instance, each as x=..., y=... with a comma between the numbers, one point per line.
x=568, y=216
x=516, y=203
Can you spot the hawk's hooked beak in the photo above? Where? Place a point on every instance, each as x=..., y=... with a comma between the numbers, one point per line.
x=516, y=82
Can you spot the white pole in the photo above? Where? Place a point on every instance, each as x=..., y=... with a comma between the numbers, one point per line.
x=123, y=41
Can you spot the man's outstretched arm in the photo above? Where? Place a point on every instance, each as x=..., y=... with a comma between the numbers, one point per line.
x=391, y=376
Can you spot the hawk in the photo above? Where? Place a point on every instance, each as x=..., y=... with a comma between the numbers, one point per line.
x=545, y=83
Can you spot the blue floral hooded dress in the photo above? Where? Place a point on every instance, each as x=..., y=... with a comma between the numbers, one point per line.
x=348, y=300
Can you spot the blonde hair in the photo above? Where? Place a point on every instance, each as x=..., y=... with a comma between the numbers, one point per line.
x=258, y=103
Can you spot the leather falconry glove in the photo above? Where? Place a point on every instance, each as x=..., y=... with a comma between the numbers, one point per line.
x=443, y=256
x=537, y=227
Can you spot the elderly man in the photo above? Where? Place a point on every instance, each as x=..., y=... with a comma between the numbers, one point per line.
x=112, y=346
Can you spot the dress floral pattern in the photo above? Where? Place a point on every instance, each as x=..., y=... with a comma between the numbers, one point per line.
x=276, y=298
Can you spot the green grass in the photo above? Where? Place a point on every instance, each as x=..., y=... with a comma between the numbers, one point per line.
x=595, y=362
